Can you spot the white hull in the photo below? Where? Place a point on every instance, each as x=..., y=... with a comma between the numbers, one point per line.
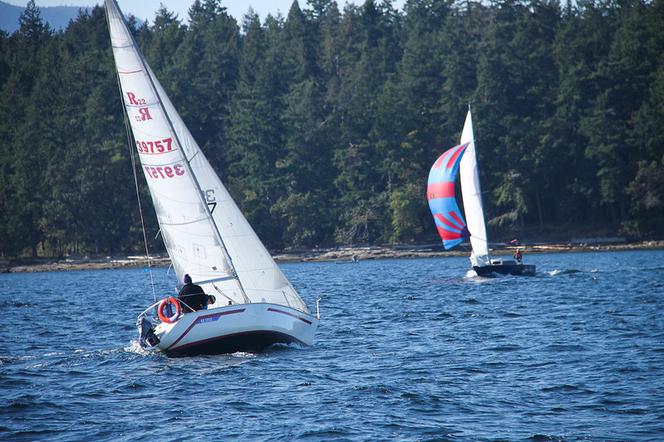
x=238, y=327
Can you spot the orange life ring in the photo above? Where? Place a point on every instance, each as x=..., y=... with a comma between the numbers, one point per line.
x=162, y=305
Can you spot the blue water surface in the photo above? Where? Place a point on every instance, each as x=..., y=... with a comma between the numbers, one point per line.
x=407, y=350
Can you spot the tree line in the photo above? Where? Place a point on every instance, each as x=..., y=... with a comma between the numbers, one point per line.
x=324, y=123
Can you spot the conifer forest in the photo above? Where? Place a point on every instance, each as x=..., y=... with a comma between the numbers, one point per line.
x=323, y=123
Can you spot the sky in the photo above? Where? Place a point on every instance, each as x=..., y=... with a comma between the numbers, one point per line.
x=145, y=9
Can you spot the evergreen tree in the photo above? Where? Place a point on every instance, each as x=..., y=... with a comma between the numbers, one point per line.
x=256, y=133
x=324, y=123
x=207, y=72
x=25, y=191
x=624, y=77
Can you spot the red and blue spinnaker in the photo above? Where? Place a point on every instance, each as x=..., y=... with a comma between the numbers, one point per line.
x=442, y=198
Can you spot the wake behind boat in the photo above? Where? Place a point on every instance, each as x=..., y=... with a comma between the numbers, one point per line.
x=447, y=216
x=204, y=232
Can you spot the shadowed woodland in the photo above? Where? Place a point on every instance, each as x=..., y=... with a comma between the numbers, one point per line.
x=324, y=123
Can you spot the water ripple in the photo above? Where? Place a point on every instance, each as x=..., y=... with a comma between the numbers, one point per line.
x=408, y=350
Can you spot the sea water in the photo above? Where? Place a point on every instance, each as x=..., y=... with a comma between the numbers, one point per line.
x=408, y=350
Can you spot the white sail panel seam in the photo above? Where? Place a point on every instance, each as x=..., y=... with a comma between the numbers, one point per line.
x=170, y=163
x=138, y=106
x=184, y=223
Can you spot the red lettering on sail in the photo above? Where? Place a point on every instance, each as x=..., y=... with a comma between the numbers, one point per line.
x=159, y=172
x=164, y=145
x=144, y=114
x=132, y=98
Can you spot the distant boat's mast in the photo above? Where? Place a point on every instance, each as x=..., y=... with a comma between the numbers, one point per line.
x=186, y=160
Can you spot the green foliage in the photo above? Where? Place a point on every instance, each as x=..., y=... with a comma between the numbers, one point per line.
x=406, y=211
x=647, y=193
x=324, y=123
x=510, y=198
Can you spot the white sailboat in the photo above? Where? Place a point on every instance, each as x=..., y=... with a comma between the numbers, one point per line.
x=204, y=232
x=450, y=223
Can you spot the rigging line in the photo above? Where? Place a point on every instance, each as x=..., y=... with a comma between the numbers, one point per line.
x=464, y=247
x=477, y=237
x=140, y=206
x=130, y=146
x=222, y=293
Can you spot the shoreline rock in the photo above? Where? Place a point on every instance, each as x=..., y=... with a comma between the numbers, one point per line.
x=343, y=254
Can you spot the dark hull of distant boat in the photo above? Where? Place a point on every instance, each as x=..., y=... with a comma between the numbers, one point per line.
x=505, y=269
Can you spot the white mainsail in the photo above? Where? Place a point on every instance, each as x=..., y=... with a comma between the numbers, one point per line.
x=204, y=231
x=472, y=197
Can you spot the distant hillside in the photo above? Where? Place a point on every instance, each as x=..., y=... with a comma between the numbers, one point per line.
x=56, y=16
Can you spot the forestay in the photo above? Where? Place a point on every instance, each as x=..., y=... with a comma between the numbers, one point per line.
x=472, y=197
x=204, y=231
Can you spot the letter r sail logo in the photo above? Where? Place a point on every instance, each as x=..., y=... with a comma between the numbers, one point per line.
x=132, y=98
x=145, y=114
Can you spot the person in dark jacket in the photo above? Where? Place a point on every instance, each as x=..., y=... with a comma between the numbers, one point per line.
x=192, y=296
x=518, y=256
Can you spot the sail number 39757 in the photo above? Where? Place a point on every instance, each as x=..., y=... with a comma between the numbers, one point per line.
x=159, y=172
x=155, y=147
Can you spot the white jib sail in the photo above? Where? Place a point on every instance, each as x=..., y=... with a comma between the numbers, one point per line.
x=205, y=233
x=472, y=197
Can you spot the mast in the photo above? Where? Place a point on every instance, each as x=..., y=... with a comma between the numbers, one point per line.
x=171, y=126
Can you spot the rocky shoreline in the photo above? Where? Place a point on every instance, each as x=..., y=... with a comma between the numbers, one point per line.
x=341, y=254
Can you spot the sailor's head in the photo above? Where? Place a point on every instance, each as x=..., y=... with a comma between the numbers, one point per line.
x=187, y=279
